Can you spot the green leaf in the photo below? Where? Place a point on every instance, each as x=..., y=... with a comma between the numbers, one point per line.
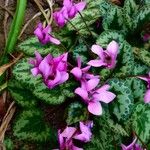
x=130, y=7
x=141, y=121
x=56, y=95
x=125, y=60
x=113, y=19
x=22, y=74
x=90, y=15
x=123, y=104
x=76, y=113
x=142, y=55
x=142, y=17
x=30, y=126
x=81, y=51
x=103, y=136
x=21, y=94
x=107, y=36
x=32, y=44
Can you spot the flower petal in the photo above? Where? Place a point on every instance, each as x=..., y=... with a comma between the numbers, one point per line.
x=92, y=83
x=113, y=49
x=68, y=132
x=95, y=108
x=77, y=72
x=80, y=6
x=67, y=3
x=81, y=92
x=96, y=63
x=35, y=71
x=98, y=50
x=147, y=96
x=54, y=40
x=38, y=57
x=64, y=77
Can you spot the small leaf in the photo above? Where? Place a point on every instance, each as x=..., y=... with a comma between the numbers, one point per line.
x=107, y=36
x=30, y=126
x=142, y=55
x=113, y=19
x=21, y=94
x=31, y=45
x=123, y=104
x=141, y=121
x=76, y=113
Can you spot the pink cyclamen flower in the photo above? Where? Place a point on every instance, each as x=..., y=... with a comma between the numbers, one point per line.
x=93, y=96
x=53, y=70
x=82, y=73
x=132, y=146
x=83, y=134
x=68, y=11
x=106, y=57
x=147, y=94
x=44, y=36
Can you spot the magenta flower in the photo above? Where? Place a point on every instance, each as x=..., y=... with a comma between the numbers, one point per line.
x=132, y=146
x=36, y=62
x=44, y=36
x=83, y=134
x=107, y=57
x=68, y=11
x=82, y=73
x=93, y=96
x=53, y=70
x=147, y=94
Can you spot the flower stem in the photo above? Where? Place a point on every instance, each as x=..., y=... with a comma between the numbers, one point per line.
x=144, y=145
x=85, y=24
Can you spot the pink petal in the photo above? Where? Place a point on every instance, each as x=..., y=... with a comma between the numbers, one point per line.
x=38, y=33
x=147, y=96
x=47, y=30
x=80, y=6
x=113, y=48
x=92, y=83
x=64, y=77
x=81, y=92
x=76, y=148
x=95, y=108
x=38, y=57
x=60, y=139
x=96, y=63
x=35, y=71
x=68, y=132
x=77, y=72
x=98, y=50
x=103, y=88
x=79, y=62
x=54, y=40
x=143, y=78
x=45, y=68
x=72, y=12
x=67, y=3
x=86, y=69
x=53, y=83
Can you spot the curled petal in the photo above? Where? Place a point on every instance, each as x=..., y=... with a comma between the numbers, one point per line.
x=113, y=49
x=81, y=92
x=92, y=83
x=147, y=96
x=95, y=108
x=80, y=6
x=96, y=63
x=77, y=72
x=64, y=77
x=35, y=71
x=68, y=132
x=98, y=50
x=54, y=40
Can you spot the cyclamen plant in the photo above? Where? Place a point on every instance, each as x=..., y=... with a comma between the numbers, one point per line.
x=96, y=74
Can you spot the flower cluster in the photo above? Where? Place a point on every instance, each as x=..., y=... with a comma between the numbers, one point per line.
x=53, y=70
x=70, y=134
x=147, y=94
x=89, y=91
x=132, y=146
x=68, y=11
x=44, y=36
